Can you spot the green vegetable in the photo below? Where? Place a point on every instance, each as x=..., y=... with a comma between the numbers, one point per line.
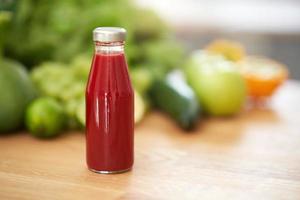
x=65, y=83
x=164, y=54
x=60, y=81
x=81, y=67
x=141, y=78
x=61, y=30
x=45, y=117
x=80, y=112
x=5, y=18
x=139, y=107
x=173, y=96
x=71, y=107
x=218, y=84
x=17, y=92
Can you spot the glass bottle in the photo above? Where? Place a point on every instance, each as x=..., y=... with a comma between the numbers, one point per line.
x=109, y=105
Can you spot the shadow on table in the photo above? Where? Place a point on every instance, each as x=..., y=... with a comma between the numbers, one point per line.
x=212, y=130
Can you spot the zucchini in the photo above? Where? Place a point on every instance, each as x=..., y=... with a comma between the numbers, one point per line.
x=173, y=96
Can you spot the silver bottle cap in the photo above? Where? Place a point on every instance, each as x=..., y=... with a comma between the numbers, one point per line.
x=109, y=34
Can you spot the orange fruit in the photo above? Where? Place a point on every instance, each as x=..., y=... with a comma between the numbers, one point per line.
x=231, y=50
x=262, y=75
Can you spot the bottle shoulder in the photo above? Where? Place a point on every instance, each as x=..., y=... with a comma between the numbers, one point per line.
x=109, y=75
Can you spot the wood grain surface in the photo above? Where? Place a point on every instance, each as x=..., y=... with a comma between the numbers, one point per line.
x=255, y=155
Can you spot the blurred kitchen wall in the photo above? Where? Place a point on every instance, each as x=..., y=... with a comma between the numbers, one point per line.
x=266, y=27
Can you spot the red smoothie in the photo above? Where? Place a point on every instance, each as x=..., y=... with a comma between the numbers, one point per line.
x=109, y=114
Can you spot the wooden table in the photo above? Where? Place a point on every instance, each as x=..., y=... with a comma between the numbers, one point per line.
x=255, y=155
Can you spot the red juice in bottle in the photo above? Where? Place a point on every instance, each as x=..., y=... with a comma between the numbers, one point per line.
x=109, y=105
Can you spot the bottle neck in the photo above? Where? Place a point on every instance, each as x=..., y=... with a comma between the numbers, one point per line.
x=109, y=47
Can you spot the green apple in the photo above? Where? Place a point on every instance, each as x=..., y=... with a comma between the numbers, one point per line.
x=219, y=86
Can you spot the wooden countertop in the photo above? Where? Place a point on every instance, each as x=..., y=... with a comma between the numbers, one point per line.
x=255, y=155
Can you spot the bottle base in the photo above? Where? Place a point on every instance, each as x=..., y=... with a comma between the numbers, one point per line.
x=110, y=172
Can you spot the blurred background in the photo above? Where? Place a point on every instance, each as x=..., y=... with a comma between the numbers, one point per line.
x=52, y=41
x=265, y=27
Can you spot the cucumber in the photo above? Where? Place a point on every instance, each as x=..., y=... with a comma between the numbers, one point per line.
x=173, y=96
